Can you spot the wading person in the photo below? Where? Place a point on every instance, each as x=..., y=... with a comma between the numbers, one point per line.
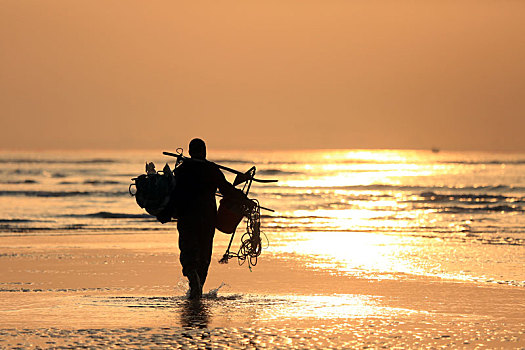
x=197, y=181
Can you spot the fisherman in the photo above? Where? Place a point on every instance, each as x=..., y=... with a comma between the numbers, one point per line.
x=197, y=181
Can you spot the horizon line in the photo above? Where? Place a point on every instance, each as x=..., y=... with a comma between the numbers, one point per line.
x=434, y=150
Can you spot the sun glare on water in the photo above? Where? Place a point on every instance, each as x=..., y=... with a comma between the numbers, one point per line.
x=362, y=224
x=361, y=168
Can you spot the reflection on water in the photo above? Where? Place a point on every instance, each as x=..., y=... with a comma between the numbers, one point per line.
x=344, y=306
x=194, y=314
x=242, y=309
x=387, y=256
x=352, y=252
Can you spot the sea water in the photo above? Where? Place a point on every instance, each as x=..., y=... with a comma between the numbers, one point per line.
x=379, y=213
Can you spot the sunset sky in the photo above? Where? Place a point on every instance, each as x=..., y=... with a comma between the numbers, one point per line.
x=262, y=74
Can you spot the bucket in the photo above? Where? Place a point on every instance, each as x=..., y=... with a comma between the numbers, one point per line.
x=229, y=216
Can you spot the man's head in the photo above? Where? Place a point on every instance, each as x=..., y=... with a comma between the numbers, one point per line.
x=197, y=149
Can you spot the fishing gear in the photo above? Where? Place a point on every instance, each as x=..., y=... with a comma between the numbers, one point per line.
x=233, y=209
x=251, y=242
x=153, y=192
x=229, y=215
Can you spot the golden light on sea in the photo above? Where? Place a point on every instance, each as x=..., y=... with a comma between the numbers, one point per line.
x=354, y=233
x=366, y=168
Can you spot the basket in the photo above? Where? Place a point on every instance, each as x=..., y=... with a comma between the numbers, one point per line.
x=229, y=215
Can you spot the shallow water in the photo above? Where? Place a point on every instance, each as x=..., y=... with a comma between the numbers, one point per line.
x=247, y=322
x=454, y=215
x=109, y=290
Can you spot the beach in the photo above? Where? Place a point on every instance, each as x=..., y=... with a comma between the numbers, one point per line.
x=364, y=249
x=103, y=291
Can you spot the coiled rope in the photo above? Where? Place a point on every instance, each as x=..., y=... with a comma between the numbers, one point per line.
x=251, y=242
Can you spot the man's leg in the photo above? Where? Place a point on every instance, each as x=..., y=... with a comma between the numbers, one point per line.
x=205, y=252
x=195, y=285
x=189, y=254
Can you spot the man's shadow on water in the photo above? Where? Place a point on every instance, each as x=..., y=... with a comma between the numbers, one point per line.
x=194, y=314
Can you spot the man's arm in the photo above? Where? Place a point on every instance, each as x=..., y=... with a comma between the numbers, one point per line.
x=229, y=191
x=225, y=188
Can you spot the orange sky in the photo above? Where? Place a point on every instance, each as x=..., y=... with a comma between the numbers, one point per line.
x=263, y=74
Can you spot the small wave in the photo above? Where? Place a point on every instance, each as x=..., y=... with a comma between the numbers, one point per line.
x=38, y=172
x=465, y=197
x=92, y=231
x=31, y=171
x=127, y=175
x=502, y=241
x=21, y=221
x=405, y=188
x=21, y=182
x=487, y=208
x=4, y=228
x=493, y=188
x=378, y=187
x=299, y=195
x=58, y=175
x=302, y=217
x=341, y=161
x=290, y=162
x=51, y=194
x=277, y=172
x=109, y=215
x=72, y=227
x=101, y=182
x=497, y=240
x=485, y=162
x=92, y=182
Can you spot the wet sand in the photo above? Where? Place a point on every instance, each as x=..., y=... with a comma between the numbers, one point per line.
x=100, y=291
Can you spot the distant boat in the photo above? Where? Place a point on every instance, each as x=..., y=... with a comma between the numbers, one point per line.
x=435, y=150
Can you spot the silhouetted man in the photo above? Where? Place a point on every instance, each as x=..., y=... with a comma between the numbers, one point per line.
x=197, y=181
